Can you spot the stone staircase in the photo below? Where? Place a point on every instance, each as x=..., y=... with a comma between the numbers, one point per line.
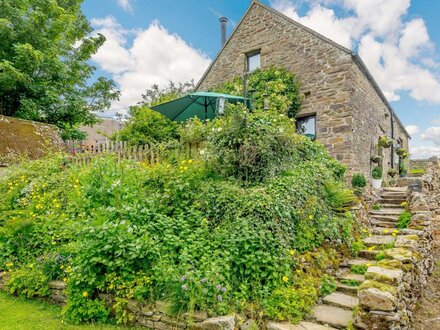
x=336, y=309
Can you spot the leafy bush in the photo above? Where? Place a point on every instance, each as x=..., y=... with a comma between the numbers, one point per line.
x=377, y=173
x=404, y=220
x=185, y=230
x=328, y=285
x=146, y=126
x=277, y=84
x=359, y=269
x=358, y=181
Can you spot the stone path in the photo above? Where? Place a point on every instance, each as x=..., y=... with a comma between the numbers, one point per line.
x=336, y=309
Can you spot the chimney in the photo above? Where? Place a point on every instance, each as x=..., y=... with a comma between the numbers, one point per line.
x=223, y=22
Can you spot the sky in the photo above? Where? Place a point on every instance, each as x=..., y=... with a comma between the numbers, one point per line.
x=153, y=42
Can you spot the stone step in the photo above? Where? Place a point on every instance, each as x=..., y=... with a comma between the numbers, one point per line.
x=347, y=289
x=367, y=254
x=333, y=316
x=391, y=206
x=356, y=262
x=342, y=300
x=392, y=201
x=384, y=224
x=379, y=240
x=385, y=217
x=351, y=277
x=395, y=212
x=391, y=231
x=395, y=189
x=304, y=325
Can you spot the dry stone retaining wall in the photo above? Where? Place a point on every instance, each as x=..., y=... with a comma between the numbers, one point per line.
x=388, y=296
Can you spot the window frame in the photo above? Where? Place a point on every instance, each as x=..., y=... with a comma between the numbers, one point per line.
x=303, y=118
x=251, y=54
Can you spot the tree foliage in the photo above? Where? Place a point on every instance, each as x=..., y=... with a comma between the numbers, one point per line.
x=146, y=126
x=277, y=84
x=44, y=71
x=156, y=95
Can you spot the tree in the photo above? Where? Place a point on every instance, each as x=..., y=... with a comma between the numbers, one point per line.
x=146, y=126
x=44, y=70
x=156, y=95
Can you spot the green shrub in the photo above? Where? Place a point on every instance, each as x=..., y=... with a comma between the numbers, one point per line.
x=328, y=285
x=182, y=230
x=377, y=173
x=417, y=171
x=404, y=220
x=359, y=269
x=376, y=206
x=146, y=126
x=276, y=83
x=358, y=181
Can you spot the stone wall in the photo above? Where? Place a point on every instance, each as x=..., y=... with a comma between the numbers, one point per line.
x=26, y=139
x=388, y=296
x=350, y=116
x=372, y=119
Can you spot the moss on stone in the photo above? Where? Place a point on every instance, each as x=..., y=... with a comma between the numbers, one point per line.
x=390, y=264
x=371, y=284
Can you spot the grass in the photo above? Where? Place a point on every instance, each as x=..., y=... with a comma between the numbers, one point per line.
x=20, y=314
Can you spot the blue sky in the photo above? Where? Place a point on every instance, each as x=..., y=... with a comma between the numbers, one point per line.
x=150, y=41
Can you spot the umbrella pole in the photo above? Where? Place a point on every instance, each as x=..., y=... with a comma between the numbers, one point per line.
x=206, y=109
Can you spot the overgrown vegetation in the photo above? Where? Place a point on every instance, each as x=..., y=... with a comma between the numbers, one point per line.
x=404, y=220
x=226, y=233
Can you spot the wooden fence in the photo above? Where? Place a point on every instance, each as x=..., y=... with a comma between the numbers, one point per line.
x=83, y=153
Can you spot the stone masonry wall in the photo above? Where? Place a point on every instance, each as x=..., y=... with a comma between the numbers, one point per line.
x=371, y=119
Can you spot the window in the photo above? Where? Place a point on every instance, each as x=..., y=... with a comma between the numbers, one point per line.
x=253, y=61
x=307, y=126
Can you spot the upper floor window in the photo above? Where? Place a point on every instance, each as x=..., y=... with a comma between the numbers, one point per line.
x=307, y=126
x=253, y=60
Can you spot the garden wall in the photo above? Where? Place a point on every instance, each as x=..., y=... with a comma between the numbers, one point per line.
x=24, y=138
x=388, y=296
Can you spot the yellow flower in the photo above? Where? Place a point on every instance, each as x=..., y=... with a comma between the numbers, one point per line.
x=404, y=204
x=370, y=248
x=310, y=217
x=298, y=271
x=395, y=231
x=64, y=279
x=31, y=266
x=394, y=234
x=85, y=294
x=190, y=161
x=368, y=265
x=386, y=231
x=364, y=230
x=292, y=252
x=285, y=278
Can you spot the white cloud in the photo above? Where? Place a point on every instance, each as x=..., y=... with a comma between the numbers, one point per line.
x=397, y=51
x=126, y=5
x=412, y=129
x=154, y=56
x=424, y=152
x=432, y=134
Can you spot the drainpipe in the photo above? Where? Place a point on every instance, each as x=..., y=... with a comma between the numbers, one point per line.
x=392, y=137
x=223, y=21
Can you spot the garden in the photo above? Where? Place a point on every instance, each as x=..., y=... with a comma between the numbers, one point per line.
x=251, y=225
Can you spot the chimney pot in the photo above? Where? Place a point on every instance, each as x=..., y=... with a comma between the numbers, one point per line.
x=223, y=22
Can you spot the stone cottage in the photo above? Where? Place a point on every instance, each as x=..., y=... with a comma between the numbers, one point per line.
x=343, y=106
